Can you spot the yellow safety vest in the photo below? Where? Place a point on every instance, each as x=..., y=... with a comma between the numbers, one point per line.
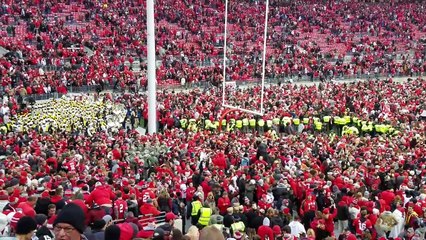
x=326, y=119
x=205, y=215
x=196, y=206
x=318, y=125
x=183, y=123
x=340, y=121
x=355, y=120
x=276, y=121
x=261, y=123
x=296, y=121
x=315, y=119
x=346, y=130
x=223, y=122
x=252, y=122
x=354, y=130
x=238, y=227
x=245, y=122
x=347, y=119
x=365, y=127
x=239, y=124
x=305, y=120
x=193, y=124
x=207, y=123
x=231, y=124
x=286, y=120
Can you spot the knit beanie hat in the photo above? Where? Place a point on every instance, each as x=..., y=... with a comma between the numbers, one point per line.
x=113, y=232
x=73, y=215
x=25, y=225
x=40, y=219
x=266, y=222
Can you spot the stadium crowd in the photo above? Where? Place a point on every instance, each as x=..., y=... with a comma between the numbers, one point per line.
x=327, y=161
x=296, y=173
x=46, y=41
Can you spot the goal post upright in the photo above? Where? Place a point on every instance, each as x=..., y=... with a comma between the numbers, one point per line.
x=265, y=36
x=225, y=36
x=152, y=83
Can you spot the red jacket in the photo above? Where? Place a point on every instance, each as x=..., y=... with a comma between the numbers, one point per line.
x=149, y=209
x=265, y=231
x=148, y=212
x=27, y=209
x=223, y=203
x=101, y=195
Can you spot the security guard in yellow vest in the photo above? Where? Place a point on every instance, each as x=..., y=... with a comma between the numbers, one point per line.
x=364, y=127
x=231, y=125
x=305, y=121
x=192, y=126
x=245, y=124
x=223, y=123
x=207, y=124
x=239, y=124
x=354, y=130
x=194, y=209
x=326, y=120
x=276, y=121
x=285, y=121
x=355, y=121
x=252, y=123
x=205, y=214
x=261, y=125
x=183, y=123
x=346, y=131
x=339, y=123
x=347, y=119
x=318, y=126
x=269, y=124
x=296, y=121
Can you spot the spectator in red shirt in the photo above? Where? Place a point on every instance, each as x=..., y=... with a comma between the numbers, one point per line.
x=28, y=206
x=265, y=231
x=102, y=196
x=223, y=203
x=120, y=207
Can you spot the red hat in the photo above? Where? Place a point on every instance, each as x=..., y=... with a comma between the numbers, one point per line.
x=326, y=211
x=170, y=216
x=126, y=231
x=277, y=230
x=286, y=211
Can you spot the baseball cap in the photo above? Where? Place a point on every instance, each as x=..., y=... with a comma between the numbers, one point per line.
x=158, y=234
x=170, y=216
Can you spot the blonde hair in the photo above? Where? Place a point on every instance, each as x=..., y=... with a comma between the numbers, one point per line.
x=193, y=233
x=310, y=232
x=211, y=233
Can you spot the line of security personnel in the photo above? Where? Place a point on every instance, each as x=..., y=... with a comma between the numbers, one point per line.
x=345, y=125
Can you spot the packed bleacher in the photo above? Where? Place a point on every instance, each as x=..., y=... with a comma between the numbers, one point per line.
x=325, y=161
x=54, y=46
